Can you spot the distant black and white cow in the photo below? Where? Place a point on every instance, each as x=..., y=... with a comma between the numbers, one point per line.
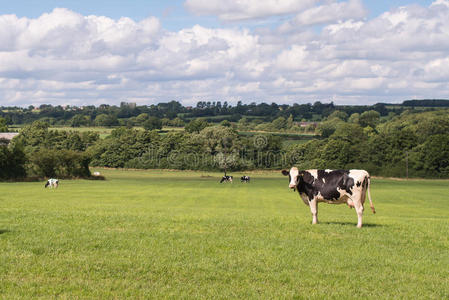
x=331, y=186
x=245, y=179
x=52, y=183
x=226, y=178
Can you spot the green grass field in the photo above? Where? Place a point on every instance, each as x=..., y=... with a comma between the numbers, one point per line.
x=162, y=234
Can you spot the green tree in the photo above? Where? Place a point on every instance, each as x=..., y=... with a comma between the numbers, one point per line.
x=121, y=146
x=433, y=156
x=339, y=115
x=222, y=143
x=354, y=118
x=279, y=123
x=152, y=123
x=34, y=136
x=225, y=123
x=12, y=162
x=3, y=126
x=369, y=118
x=290, y=122
x=327, y=128
x=243, y=123
x=106, y=120
x=196, y=125
x=79, y=120
x=45, y=162
x=177, y=122
x=140, y=119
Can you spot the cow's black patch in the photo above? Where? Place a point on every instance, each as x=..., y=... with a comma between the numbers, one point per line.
x=358, y=183
x=245, y=179
x=365, y=183
x=326, y=184
x=226, y=178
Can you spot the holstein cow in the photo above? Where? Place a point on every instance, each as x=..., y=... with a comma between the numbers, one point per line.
x=226, y=178
x=331, y=186
x=52, y=183
x=245, y=179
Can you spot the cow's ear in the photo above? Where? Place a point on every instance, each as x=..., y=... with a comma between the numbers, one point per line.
x=285, y=172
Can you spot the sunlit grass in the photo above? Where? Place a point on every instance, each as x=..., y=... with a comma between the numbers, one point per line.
x=153, y=234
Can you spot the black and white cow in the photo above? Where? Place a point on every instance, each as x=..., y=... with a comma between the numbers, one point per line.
x=226, y=178
x=331, y=186
x=52, y=183
x=245, y=179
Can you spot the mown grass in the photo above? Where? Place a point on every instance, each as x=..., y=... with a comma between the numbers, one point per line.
x=158, y=234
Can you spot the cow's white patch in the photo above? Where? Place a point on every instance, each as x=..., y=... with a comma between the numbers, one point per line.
x=294, y=173
x=314, y=173
x=358, y=175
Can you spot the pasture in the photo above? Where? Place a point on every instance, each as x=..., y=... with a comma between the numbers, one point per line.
x=159, y=234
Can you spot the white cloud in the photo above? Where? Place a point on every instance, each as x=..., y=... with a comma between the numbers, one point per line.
x=231, y=10
x=331, y=12
x=65, y=58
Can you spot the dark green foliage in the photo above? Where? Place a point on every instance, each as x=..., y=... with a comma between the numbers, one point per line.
x=427, y=103
x=380, y=138
x=432, y=157
x=79, y=120
x=37, y=135
x=44, y=162
x=369, y=118
x=279, y=123
x=3, y=125
x=328, y=127
x=152, y=123
x=225, y=123
x=422, y=139
x=60, y=163
x=12, y=162
x=121, y=146
x=106, y=120
x=339, y=115
x=196, y=125
x=53, y=153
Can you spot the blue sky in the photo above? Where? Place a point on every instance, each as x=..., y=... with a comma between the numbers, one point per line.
x=82, y=52
x=172, y=13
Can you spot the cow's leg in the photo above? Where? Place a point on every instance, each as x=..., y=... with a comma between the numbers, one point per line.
x=359, y=209
x=314, y=209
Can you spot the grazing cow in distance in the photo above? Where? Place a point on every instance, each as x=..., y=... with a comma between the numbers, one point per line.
x=245, y=179
x=226, y=178
x=331, y=186
x=52, y=183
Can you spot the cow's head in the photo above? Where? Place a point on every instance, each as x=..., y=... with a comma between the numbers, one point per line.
x=47, y=184
x=293, y=177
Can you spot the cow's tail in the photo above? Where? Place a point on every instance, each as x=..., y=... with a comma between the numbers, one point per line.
x=369, y=195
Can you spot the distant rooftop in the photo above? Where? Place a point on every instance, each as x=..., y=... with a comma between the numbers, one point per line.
x=8, y=135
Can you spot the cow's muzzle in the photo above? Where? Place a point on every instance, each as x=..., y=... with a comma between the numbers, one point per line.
x=292, y=186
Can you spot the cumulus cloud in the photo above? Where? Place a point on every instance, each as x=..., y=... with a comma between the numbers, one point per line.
x=231, y=10
x=63, y=57
x=331, y=12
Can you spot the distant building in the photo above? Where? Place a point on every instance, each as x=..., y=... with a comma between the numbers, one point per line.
x=306, y=124
x=6, y=137
x=131, y=105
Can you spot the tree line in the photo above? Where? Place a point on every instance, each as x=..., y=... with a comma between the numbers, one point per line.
x=385, y=146
x=175, y=114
